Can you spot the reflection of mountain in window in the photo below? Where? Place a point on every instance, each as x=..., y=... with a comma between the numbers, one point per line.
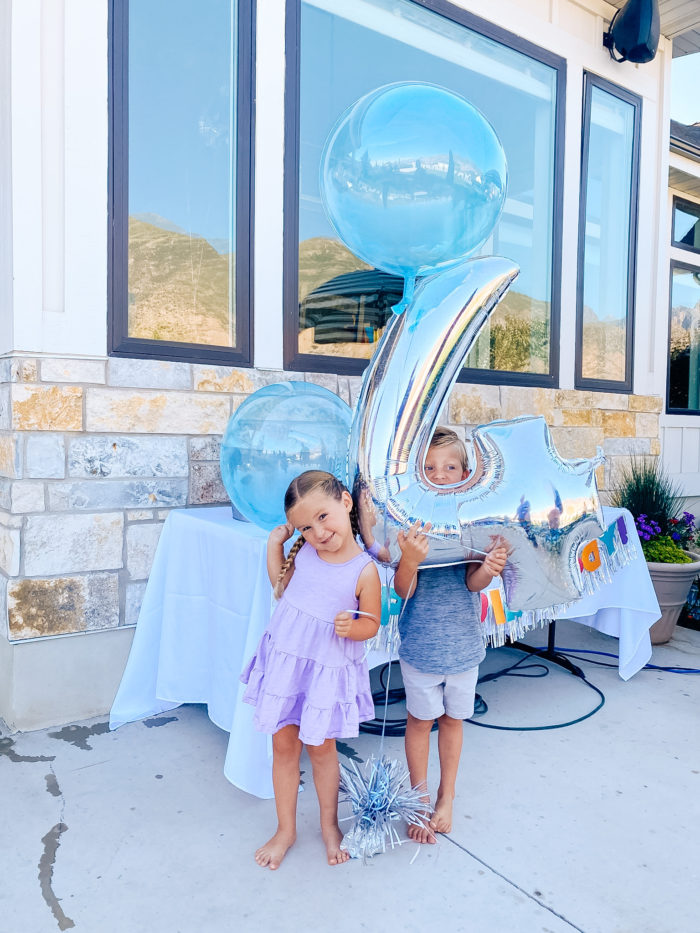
x=179, y=286
x=182, y=126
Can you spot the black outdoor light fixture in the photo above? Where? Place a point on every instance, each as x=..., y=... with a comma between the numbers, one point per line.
x=634, y=32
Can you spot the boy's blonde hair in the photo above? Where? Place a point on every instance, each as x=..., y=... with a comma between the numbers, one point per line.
x=299, y=487
x=446, y=437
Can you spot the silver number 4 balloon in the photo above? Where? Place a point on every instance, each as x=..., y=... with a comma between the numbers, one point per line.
x=519, y=491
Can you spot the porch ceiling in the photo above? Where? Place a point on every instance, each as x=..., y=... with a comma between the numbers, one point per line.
x=684, y=182
x=680, y=21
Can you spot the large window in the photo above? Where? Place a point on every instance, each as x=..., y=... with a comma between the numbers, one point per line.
x=607, y=236
x=335, y=305
x=180, y=179
x=684, y=319
x=684, y=340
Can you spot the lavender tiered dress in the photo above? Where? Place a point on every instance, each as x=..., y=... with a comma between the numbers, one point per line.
x=302, y=673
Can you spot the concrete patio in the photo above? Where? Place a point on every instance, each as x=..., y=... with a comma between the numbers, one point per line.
x=592, y=828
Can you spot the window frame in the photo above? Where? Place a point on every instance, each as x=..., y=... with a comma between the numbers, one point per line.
x=118, y=341
x=683, y=203
x=590, y=81
x=688, y=267
x=311, y=362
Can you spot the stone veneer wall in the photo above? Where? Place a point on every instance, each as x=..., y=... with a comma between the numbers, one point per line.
x=94, y=454
x=580, y=421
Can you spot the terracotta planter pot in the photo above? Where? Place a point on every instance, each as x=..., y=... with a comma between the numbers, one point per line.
x=672, y=584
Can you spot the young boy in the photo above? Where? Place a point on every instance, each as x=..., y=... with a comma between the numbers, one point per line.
x=441, y=642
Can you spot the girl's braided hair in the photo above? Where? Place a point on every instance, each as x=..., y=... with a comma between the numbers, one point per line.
x=298, y=488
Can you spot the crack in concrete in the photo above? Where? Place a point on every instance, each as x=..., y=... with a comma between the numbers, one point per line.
x=51, y=842
x=79, y=735
x=6, y=749
x=159, y=721
x=513, y=883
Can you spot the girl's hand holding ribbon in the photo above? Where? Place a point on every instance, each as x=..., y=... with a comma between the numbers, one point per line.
x=343, y=624
x=282, y=533
x=344, y=620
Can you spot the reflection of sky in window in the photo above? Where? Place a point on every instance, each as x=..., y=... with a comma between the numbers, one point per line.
x=608, y=194
x=686, y=291
x=683, y=223
x=180, y=82
x=342, y=59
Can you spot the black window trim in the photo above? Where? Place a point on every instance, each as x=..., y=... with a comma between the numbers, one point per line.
x=590, y=81
x=308, y=362
x=689, y=267
x=119, y=343
x=683, y=203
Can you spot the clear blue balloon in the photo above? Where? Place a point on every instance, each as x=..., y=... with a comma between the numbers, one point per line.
x=413, y=178
x=277, y=433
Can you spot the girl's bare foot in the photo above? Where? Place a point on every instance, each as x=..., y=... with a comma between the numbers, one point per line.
x=441, y=821
x=332, y=837
x=271, y=854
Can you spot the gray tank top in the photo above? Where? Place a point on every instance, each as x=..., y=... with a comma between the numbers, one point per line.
x=440, y=627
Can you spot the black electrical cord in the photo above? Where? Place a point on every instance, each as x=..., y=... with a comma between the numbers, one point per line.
x=397, y=727
x=511, y=672
x=569, y=653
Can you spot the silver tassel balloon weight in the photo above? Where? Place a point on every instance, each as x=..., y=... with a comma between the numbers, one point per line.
x=380, y=796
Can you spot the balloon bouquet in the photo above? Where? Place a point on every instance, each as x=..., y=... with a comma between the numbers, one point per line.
x=413, y=179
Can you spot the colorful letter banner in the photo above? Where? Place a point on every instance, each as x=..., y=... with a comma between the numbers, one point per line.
x=598, y=560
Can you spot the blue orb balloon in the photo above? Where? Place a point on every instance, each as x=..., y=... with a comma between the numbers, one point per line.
x=413, y=178
x=277, y=433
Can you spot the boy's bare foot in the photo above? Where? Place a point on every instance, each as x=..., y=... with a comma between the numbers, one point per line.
x=332, y=837
x=271, y=854
x=441, y=820
x=421, y=832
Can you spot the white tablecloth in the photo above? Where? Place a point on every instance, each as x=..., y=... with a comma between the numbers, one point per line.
x=625, y=608
x=206, y=605
x=208, y=601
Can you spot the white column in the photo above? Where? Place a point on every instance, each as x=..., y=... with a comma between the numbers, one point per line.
x=59, y=176
x=651, y=338
x=27, y=214
x=53, y=208
x=6, y=329
x=269, y=178
x=86, y=165
x=569, y=227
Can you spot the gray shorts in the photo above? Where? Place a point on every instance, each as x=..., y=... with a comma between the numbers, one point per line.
x=428, y=696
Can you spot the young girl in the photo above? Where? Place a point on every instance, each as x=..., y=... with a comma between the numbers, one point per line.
x=308, y=680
